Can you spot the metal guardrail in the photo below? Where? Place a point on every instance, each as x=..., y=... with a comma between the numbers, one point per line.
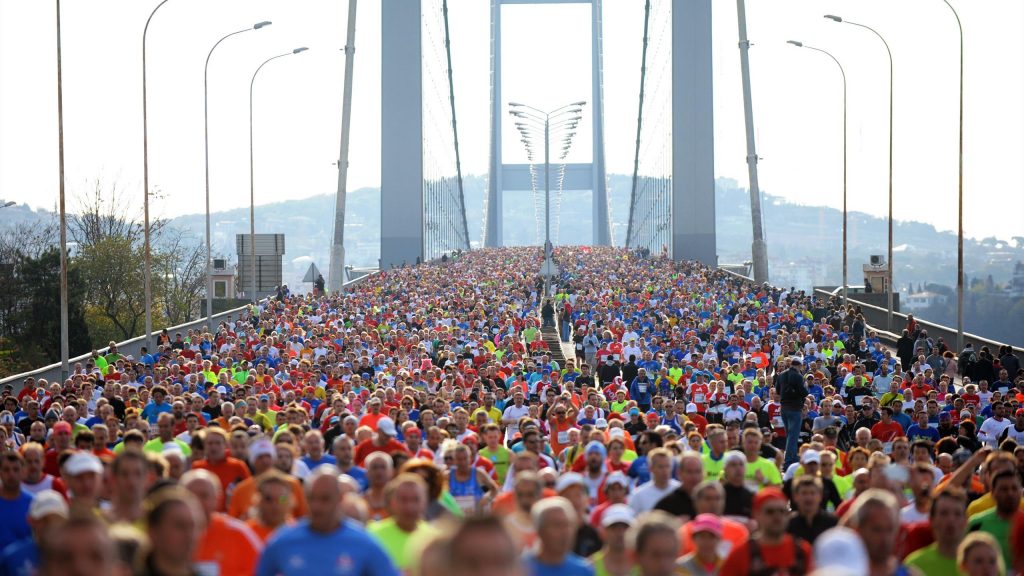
x=133, y=347
x=876, y=317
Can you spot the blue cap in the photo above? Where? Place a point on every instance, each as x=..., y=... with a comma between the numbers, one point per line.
x=634, y=411
x=596, y=446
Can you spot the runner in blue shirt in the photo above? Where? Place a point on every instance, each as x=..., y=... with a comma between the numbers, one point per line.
x=922, y=430
x=326, y=542
x=14, y=501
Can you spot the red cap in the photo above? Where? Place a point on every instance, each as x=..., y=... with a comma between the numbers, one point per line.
x=768, y=495
x=62, y=426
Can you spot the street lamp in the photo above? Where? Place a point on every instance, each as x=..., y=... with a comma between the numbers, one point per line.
x=889, y=272
x=252, y=187
x=206, y=144
x=843, y=74
x=147, y=256
x=65, y=351
x=535, y=120
x=960, y=200
x=11, y=202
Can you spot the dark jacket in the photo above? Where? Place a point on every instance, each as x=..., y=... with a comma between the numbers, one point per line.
x=791, y=388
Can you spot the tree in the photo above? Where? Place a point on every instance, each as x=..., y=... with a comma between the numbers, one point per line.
x=105, y=213
x=30, y=310
x=113, y=268
x=181, y=264
x=40, y=318
x=109, y=232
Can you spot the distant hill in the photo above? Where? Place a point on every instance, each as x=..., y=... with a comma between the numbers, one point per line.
x=804, y=242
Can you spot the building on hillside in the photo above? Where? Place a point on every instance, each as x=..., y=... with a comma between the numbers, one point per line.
x=918, y=301
x=1015, y=287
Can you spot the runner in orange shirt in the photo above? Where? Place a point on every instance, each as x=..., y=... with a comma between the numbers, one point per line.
x=228, y=547
x=229, y=471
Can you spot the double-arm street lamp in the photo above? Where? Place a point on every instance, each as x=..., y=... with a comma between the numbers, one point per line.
x=534, y=123
x=206, y=144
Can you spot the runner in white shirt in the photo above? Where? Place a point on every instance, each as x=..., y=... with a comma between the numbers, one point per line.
x=993, y=427
x=513, y=412
x=644, y=498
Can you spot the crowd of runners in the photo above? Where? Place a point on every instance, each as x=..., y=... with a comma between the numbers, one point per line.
x=420, y=424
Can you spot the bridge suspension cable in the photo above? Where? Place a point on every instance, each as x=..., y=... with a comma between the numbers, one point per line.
x=444, y=205
x=650, y=206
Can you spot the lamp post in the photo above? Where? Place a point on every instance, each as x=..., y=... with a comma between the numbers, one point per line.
x=147, y=276
x=206, y=145
x=10, y=203
x=842, y=72
x=960, y=199
x=252, y=187
x=889, y=272
x=567, y=115
x=64, y=331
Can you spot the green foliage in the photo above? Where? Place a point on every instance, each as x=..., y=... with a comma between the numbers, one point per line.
x=30, y=305
x=113, y=269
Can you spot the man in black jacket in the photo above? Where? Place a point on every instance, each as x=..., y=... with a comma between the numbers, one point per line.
x=792, y=393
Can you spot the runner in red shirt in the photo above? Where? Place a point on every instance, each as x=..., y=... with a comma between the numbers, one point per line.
x=887, y=429
x=772, y=550
x=383, y=441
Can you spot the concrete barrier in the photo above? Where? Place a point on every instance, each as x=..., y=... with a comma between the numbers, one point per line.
x=877, y=316
x=133, y=347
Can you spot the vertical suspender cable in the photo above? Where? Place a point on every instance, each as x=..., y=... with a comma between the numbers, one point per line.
x=639, y=124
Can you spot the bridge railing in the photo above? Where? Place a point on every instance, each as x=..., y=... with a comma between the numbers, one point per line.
x=133, y=346
x=876, y=318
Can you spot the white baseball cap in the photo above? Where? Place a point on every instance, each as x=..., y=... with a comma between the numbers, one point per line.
x=691, y=408
x=617, y=477
x=47, y=502
x=810, y=456
x=82, y=462
x=618, y=514
x=568, y=480
x=840, y=551
x=387, y=426
x=261, y=447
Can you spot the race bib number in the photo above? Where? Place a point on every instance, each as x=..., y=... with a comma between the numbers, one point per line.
x=642, y=388
x=563, y=436
x=206, y=568
x=698, y=398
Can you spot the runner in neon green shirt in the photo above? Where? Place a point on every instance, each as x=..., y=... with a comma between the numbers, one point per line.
x=948, y=520
x=400, y=545
x=761, y=471
x=401, y=533
x=498, y=455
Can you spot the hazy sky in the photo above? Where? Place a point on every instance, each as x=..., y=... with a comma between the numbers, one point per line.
x=297, y=109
